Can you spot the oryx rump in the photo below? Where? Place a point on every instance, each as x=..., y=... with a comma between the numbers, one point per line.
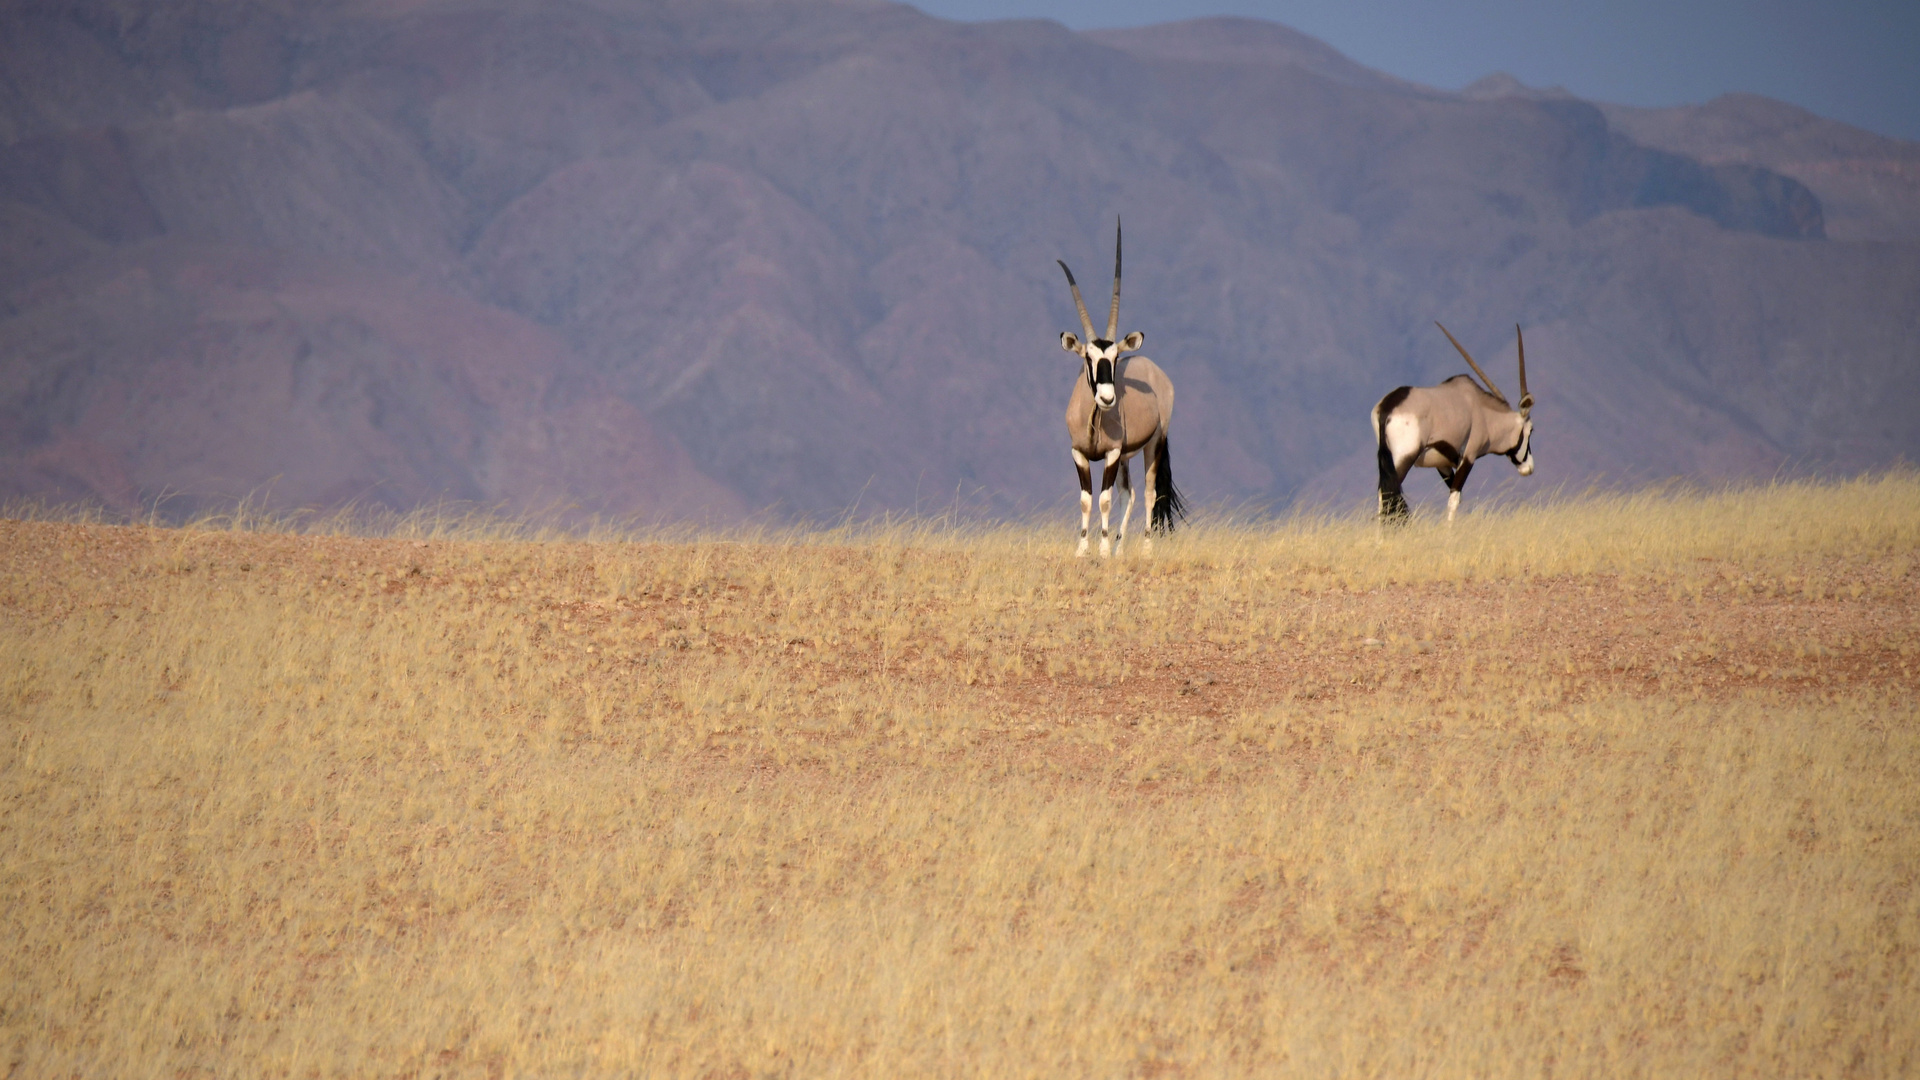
x=1121, y=406
x=1449, y=427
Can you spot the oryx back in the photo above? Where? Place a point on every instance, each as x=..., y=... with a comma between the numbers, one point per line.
x=1442, y=424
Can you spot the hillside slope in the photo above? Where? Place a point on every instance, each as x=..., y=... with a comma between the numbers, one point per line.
x=800, y=256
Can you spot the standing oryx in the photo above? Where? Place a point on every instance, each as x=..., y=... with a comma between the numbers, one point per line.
x=1122, y=406
x=1448, y=427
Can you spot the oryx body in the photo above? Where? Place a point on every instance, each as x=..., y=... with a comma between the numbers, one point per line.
x=1448, y=428
x=1121, y=406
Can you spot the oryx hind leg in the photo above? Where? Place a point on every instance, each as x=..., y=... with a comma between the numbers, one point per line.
x=1393, y=472
x=1086, y=499
x=1399, y=445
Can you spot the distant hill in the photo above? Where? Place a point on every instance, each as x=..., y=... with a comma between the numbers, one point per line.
x=712, y=258
x=1869, y=185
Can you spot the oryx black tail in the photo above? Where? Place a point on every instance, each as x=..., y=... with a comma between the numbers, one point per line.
x=1167, y=503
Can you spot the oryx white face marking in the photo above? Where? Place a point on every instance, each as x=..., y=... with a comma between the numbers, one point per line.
x=1100, y=356
x=1523, y=455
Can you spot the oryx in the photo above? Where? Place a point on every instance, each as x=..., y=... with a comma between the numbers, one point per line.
x=1121, y=406
x=1449, y=427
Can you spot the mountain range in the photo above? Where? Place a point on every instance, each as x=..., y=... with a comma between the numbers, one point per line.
x=678, y=259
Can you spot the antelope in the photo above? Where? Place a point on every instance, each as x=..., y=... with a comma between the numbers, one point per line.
x=1448, y=427
x=1121, y=407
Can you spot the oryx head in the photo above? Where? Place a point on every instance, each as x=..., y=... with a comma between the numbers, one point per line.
x=1100, y=356
x=1522, y=453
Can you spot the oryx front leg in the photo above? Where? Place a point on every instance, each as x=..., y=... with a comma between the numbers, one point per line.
x=1126, y=509
x=1455, y=482
x=1086, y=500
x=1107, y=474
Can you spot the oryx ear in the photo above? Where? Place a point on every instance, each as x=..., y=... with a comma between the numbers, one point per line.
x=1526, y=404
x=1133, y=341
x=1069, y=341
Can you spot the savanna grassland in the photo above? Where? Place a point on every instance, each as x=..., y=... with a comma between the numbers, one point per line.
x=1625, y=785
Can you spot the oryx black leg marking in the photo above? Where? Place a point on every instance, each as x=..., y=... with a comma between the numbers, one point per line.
x=1458, y=479
x=1080, y=464
x=1393, y=504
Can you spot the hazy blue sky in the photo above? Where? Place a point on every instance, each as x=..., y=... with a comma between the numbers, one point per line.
x=1853, y=60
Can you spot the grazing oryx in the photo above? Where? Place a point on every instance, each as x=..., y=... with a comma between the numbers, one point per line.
x=1448, y=427
x=1122, y=406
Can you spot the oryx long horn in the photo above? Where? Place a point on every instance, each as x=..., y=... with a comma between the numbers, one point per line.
x=1526, y=399
x=1086, y=323
x=1113, y=313
x=1476, y=367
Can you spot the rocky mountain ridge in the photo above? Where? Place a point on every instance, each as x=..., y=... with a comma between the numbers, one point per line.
x=709, y=259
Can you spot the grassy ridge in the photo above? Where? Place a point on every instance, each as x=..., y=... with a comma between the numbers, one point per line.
x=1625, y=785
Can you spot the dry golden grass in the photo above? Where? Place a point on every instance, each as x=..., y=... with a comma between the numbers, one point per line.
x=1623, y=786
